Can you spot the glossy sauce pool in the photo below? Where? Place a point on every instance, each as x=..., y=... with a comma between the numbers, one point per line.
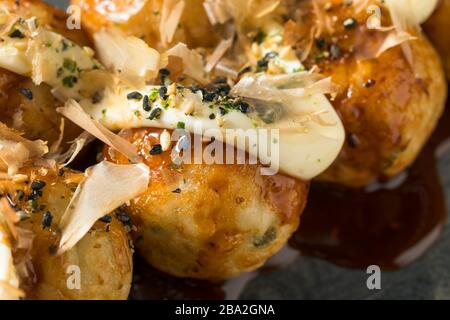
x=389, y=224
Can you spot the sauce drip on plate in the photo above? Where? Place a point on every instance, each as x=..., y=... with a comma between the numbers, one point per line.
x=390, y=224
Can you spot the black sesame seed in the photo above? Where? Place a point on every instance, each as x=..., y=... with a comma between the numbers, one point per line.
x=17, y=34
x=156, y=149
x=37, y=185
x=163, y=75
x=106, y=219
x=244, y=70
x=155, y=114
x=320, y=43
x=134, y=96
x=164, y=72
x=163, y=93
x=47, y=220
x=34, y=195
x=27, y=93
x=243, y=107
x=209, y=96
x=223, y=89
x=369, y=83
x=146, y=104
x=262, y=63
x=123, y=217
x=177, y=190
x=349, y=23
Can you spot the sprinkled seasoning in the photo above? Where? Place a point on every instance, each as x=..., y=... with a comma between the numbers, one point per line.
x=181, y=125
x=349, y=23
x=123, y=217
x=260, y=36
x=70, y=65
x=155, y=114
x=153, y=95
x=134, y=96
x=27, y=93
x=264, y=62
x=106, y=219
x=212, y=116
x=163, y=93
x=209, y=96
x=156, y=149
x=69, y=81
x=146, y=104
x=47, y=220
x=243, y=107
x=17, y=34
x=37, y=185
x=369, y=83
x=223, y=111
x=164, y=74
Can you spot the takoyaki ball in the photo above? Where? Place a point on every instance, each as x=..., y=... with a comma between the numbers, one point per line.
x=25, y=106
x=46, y=15
x=31, y=110
x=436, y=28
x=210, y=221
x=142, y=18
x=388, y=107
x=101, y=259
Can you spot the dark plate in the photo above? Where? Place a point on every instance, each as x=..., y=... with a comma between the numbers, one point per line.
x=311, y=278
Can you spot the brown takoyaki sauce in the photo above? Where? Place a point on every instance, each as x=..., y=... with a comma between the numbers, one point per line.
x=390, y=224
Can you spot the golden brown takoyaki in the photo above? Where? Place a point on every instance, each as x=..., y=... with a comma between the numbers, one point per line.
x=210, y=221
x=101, y=259
x=142, y=19
x=25, y=106
x=389, y=105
